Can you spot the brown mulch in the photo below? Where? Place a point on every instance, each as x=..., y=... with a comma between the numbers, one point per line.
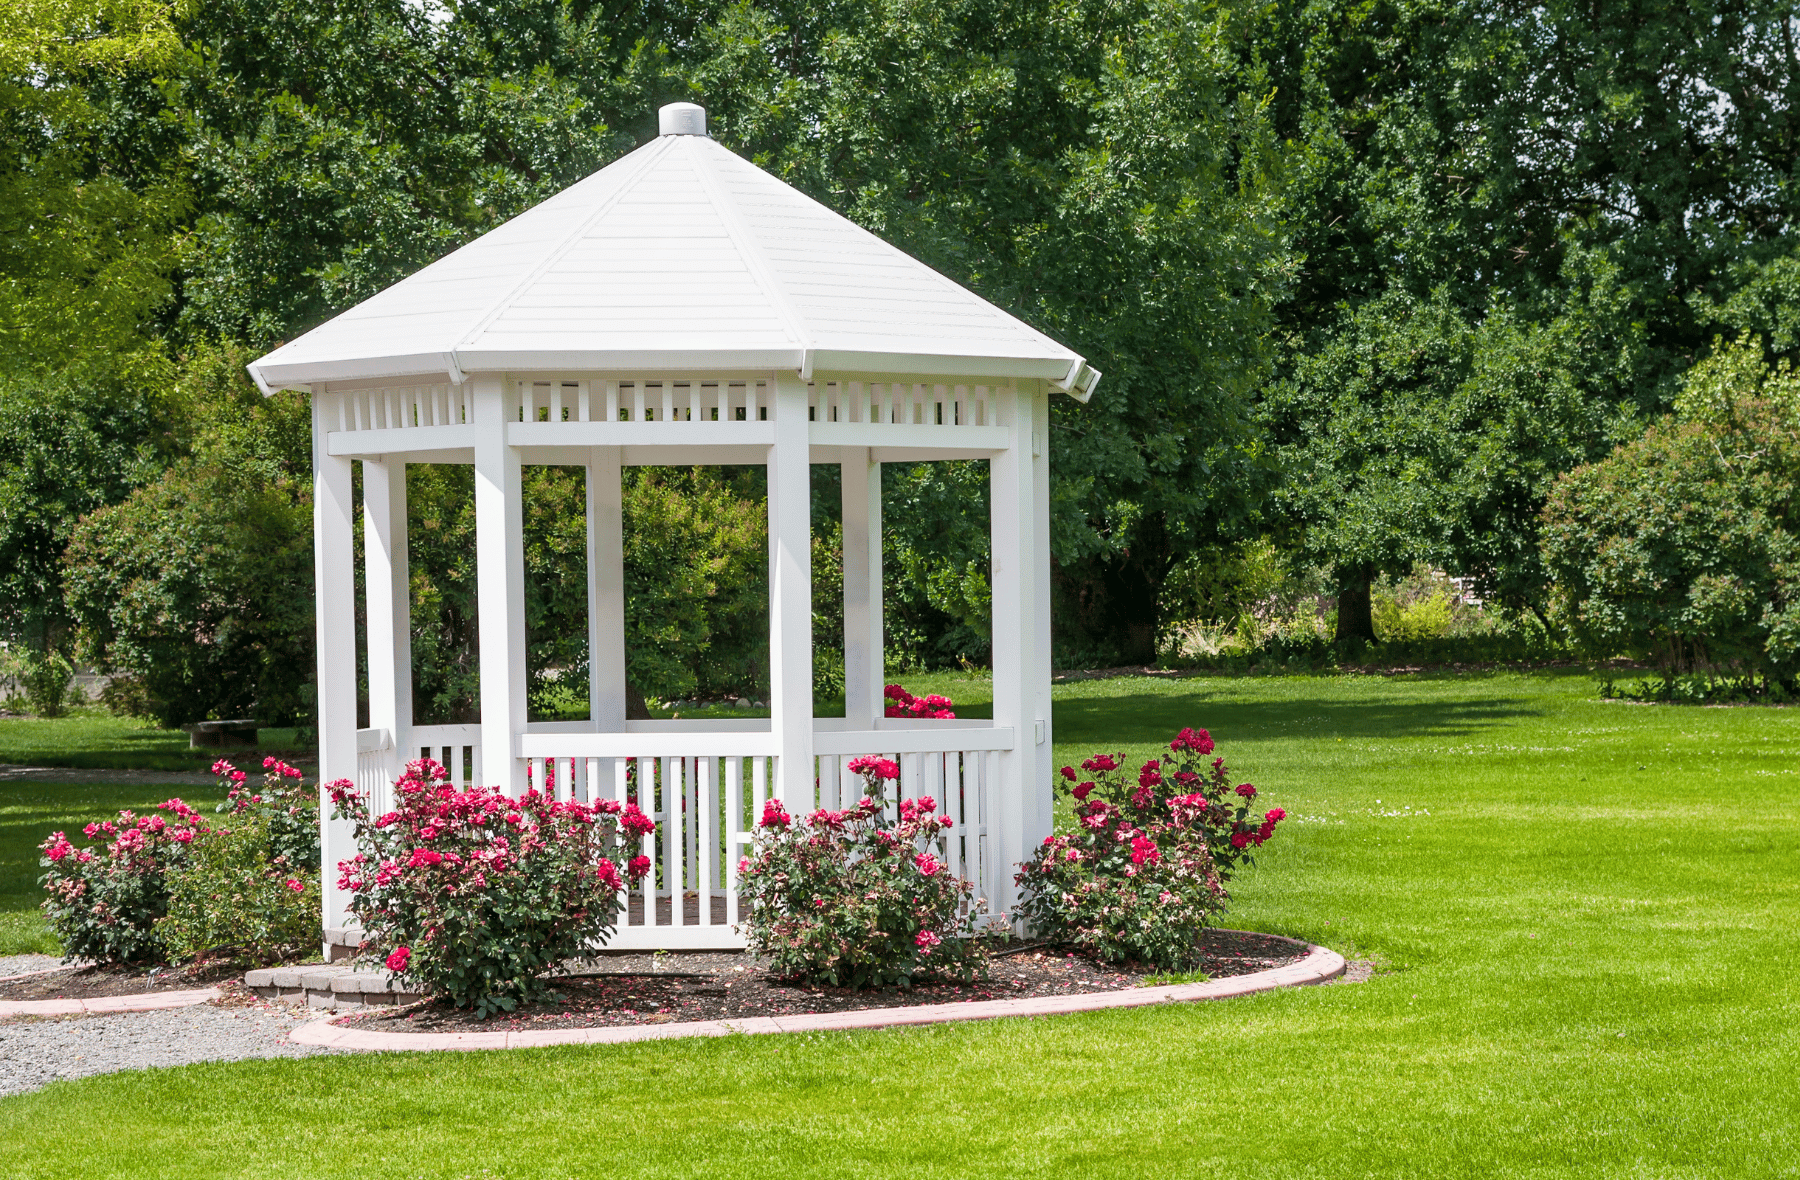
x=683, y=987
x=87, y=983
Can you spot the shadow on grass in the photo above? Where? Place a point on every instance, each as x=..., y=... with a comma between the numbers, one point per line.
x=1154, y=718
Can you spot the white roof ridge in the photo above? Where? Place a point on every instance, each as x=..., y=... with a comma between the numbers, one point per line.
x=651, y=152
x=749, y=249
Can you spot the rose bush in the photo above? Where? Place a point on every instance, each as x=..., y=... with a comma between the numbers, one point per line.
x=107, y=900
x=476, y=895
x=901, y=703
x=251, y=890
x=1146, y=866
x=852, y=899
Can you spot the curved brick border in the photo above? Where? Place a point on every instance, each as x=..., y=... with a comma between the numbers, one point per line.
x=1319, y=966
x=142, y=1002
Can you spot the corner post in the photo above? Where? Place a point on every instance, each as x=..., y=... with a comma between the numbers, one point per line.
x=790, y=594
x=606, y=590
x=334, y=581
x=864, y=672
x=389, y=607
x=500, y=584
x=1019, y=503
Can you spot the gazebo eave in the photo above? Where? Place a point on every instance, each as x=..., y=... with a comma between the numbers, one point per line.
x=836, y=364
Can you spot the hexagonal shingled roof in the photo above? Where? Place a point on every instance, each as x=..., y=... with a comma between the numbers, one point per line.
x=678, y=256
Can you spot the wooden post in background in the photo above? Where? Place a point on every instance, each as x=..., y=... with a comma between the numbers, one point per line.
x=606, y=590
x=389, y=595
x=864, y=674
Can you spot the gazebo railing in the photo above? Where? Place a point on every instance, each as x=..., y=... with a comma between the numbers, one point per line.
x=662, y=399
x=706, y=791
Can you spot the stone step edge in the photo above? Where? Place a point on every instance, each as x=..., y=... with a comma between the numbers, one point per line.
x=326, y=986
x=102, y=1005
x=1319, y=966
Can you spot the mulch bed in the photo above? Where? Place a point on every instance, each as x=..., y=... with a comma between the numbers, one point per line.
x=88, y=983
x=686, y=987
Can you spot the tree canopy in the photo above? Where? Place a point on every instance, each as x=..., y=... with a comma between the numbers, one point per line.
x=1366, y=277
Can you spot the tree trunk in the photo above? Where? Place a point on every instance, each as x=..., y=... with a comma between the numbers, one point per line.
x=1355, y=611
x=1106, y=608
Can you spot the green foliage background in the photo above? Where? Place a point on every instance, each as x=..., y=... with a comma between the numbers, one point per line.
x=1366, y=280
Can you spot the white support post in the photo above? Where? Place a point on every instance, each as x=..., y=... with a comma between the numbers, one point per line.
x=790, y=594
x=1019, y=503
x=500, y=587
x=864, y=673
x=334, y=581
x=606, y=590
x=387, y=588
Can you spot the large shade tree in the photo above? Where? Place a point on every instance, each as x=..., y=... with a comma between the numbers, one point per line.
x=1520, y=224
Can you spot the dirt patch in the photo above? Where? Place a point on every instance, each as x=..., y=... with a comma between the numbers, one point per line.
x=88, y=983
x=676, y=987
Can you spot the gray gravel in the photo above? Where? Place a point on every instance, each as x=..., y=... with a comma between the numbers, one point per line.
x=36, y=1052
x=20, y=964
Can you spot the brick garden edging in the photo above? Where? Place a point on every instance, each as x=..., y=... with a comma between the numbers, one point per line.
x=1319, y=966
x=100, y=1005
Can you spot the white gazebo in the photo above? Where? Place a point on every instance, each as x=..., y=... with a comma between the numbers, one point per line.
x=683, y=307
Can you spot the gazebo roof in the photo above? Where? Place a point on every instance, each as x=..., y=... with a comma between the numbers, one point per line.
x=678, y=256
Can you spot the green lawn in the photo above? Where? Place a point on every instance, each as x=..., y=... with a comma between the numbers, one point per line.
x=91, y=738
x=1585, y=911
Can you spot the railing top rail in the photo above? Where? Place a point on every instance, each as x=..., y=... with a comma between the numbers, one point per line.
x=912, y=741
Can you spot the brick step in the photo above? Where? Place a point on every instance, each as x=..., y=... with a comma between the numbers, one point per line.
x=323, y=985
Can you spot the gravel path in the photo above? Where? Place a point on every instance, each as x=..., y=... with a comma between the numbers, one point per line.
x=34, y=1053
x=11, y=773
x=20, y=964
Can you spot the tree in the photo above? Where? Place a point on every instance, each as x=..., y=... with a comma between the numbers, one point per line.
x=1102, y=170
x=1577, y=195
x=1682, y=547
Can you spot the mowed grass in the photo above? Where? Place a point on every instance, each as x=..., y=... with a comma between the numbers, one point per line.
x=1584, y=913
x=90, y=738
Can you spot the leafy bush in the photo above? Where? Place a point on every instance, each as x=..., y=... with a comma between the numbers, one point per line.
x=1411, y=622
x=107, y=900
x=228, y=895
x=283, y=806
x=251, y=889
x=1147, y=864
x=476, y=895
x=1683, y=548
x=219, y=548
x=851, y=899
x=901, y=703
x=44, y=681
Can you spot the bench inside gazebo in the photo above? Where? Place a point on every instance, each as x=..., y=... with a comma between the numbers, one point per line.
x=682, y=307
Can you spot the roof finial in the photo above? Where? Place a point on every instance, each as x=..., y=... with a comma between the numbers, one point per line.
x=681, y=118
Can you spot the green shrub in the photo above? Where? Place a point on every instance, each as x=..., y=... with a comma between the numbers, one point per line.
x=1682, y=548
x=479, y=896
x=853, y=899
x=1412, y=622
x=1145, y=869
x=250, y=887
x=228, y=894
